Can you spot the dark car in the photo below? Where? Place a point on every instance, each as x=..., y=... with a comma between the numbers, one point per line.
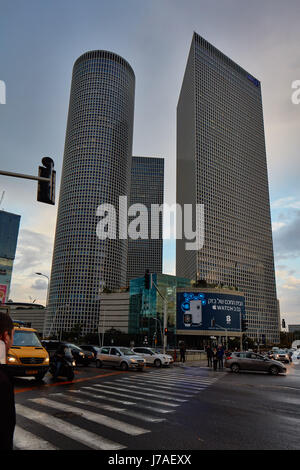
x=80, y=356
x=91, y=348
x=250, y=361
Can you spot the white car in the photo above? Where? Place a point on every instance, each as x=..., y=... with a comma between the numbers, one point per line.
x=154, y=358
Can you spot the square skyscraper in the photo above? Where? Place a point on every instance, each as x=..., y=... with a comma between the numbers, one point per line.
x=147, y=188
x=221, y=163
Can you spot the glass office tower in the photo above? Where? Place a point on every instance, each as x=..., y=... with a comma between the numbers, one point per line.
x=147, y=188
x=96, y=170
x=221, y=163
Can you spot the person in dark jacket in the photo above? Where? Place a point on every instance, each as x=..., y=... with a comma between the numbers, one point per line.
x=182, y=352
x=7, y=397
x=220, y=354
x=209, y=354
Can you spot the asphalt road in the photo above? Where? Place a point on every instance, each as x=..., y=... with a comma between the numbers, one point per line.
x=179, y=408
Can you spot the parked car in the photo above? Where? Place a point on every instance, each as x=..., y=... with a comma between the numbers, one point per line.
x=152, y=357
x=121, y=357
x=80, y=356
x=250, y=361
x=91, y=348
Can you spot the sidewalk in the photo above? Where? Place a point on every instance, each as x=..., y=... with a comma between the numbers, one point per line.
x=201, y=363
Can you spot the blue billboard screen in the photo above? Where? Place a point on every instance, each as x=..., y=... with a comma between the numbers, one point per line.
x=209, y=311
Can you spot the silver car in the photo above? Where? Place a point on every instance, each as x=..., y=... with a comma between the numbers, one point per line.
x=121, y=357
x=253, y=362
x=153, y=358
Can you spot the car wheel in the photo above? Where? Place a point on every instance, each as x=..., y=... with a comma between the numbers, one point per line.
x=157, y=363
x=235, y=368
x=274, y=370
x=99, y=363
x=124, y=366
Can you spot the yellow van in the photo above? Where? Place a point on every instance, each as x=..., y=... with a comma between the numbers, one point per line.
x=27, y=357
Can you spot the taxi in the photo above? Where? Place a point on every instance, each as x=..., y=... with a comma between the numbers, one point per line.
x=27, y=357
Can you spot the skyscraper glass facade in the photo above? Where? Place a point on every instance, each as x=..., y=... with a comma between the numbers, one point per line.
x=9, y=230
x=96, y=170
x=147, y=188
x=221, y=163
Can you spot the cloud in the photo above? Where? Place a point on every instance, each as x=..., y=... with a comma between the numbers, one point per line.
x=34, y=254
x=39, y=284
x=286, y=203
x=286, y=238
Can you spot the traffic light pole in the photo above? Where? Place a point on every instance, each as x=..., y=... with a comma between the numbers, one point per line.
x=27, y=177
x=46, y=180
x=165, y=315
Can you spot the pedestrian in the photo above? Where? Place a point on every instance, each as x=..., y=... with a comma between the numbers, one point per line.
x=215, y=358
x=220, y=354
x=7, y=398
x=182, y=352
x=209, y=354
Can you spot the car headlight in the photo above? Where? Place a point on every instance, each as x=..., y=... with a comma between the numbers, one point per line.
x=74, y=363
x=81, y=354
x=132, y=360
x=11, y=359
x=47, y=360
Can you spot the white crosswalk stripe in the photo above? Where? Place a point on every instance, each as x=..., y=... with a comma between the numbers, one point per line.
x=94, y=441
x=96, y=417
x=134, y=414
x=110, y=390
x=25, y=440
x=109, y=405
x=100, y=395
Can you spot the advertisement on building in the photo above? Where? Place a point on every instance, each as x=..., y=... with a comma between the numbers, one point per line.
x=3, y=291
x=209, y=311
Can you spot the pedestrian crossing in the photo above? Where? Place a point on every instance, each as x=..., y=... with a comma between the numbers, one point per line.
x=105, y=415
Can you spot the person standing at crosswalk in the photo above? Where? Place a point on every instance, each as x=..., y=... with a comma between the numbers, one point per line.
x=7, y=398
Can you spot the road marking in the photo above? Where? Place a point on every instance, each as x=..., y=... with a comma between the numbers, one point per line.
x=133, y=414
x=139, y=384
x=129, y=396
x=166, y=384
x=94, y=441
x=25, y=440
x=155, y=395
x=100, y=395
x=95, y=417
x=172, y=385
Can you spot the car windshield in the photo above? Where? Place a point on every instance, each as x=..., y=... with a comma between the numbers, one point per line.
x=280, y=352
x=73, y=346
x=26, y=338
x=127, y=351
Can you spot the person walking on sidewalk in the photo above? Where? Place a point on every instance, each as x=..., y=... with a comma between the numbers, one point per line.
x=209, y=354
x=7, y=397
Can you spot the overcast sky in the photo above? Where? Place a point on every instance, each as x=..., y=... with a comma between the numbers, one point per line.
x=40, y=42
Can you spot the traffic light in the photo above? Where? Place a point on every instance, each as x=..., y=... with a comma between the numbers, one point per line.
x=147, y=280
x=283, y=323
x=244, y=324
x=166, y=331
x=213, y=322
x=46, y=189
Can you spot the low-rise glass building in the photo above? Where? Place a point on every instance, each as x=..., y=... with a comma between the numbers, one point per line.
x=146, y=308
